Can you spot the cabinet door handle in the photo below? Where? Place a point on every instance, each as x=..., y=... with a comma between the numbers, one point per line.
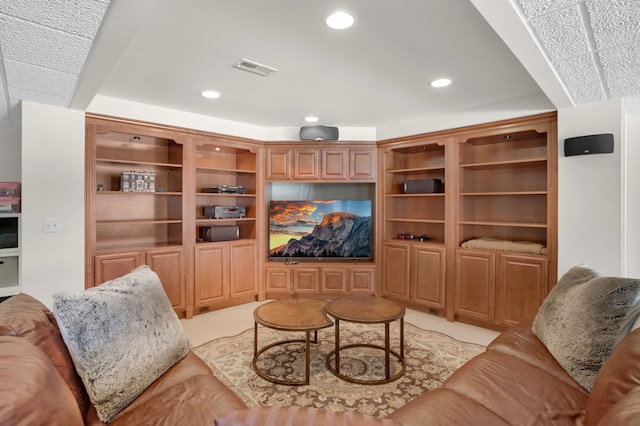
x=1, y=262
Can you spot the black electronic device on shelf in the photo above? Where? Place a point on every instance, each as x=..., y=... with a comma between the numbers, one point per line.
x=225, y=212
x=225, y=189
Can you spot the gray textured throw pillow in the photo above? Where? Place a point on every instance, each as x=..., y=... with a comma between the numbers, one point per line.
x=122, y=336
x=581, y=318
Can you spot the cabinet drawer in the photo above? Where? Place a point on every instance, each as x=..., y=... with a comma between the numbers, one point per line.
x=8, y=271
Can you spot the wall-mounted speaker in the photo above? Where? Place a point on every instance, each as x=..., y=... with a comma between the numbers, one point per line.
x=318, y=133
x=592, y=144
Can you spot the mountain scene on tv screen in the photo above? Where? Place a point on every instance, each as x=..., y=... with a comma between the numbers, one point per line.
x=330, y=232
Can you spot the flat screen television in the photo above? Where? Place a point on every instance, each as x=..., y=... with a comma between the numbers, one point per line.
x=320, y=229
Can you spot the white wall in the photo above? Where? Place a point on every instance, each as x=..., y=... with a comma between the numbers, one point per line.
x=515, y=108
x=590, y=193
x=10, y=157
x=154, y=114
x=632, y=201
x=52, y=187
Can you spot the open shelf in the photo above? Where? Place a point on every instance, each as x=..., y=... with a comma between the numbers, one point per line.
x=222, y=170
x=137, y=163
x=506, y=164
x=417, y=170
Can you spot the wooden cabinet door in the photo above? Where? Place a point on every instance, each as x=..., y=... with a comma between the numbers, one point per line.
x=305, y=280
x=333, y=280
x=361, y=280
x=396, y=271
x=110, y=266
x=475, y=284
x=169, y=265
x=278, y=279
x=278, y=164
x=212, y=274
x=243, y=276
x=427, y=276
x=362, y=164
x=521, y=287
x=305, y=164
x=335, y=164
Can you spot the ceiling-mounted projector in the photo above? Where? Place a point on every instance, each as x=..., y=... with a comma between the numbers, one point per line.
x=318, y=133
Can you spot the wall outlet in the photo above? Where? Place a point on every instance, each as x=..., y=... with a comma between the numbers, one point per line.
x=51, y=225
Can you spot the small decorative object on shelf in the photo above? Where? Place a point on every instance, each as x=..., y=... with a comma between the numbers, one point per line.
x=133, y=181
x=9, y=197
x=410, y=236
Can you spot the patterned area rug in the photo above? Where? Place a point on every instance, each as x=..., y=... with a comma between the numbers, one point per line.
x=430, y=358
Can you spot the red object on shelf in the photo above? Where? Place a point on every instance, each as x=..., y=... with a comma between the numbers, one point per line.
x=9, y=197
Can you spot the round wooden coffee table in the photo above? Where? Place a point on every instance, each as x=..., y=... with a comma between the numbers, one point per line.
x=304, y=315
x=367, y=310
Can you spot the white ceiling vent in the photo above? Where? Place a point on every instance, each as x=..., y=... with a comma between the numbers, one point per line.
x=254, y=67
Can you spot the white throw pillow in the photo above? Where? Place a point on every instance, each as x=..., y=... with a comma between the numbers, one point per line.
x=122, y=335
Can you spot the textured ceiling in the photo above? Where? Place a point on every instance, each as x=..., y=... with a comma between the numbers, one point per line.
x=380, y=69
x=43, y=47
x=594, y=45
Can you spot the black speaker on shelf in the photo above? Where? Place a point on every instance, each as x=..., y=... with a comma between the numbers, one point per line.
x=219, y=233
x=592, y=144
x=318, y=133
x=423, y=186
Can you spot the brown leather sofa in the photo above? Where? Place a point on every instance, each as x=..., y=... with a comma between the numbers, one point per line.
x=515, y=382
x=39, y=384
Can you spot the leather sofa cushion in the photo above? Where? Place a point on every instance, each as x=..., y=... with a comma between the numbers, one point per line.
x=444, y=407
x=519, y=341
x=277, y=415
x=518, y=392
x=33, y=393
x=617, y=384
x=626, y=412
x=25, y=317
x=188, y=393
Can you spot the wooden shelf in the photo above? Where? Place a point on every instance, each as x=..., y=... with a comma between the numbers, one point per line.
x=137, y=163
x=137, y=222
x=224, y=170
x=417, y=170
x=101, y=249
x=437, y=194
x=205, y=221
x=505, y=224
x=207, y=243
x=228, y=195
x=417, y=241
x=413, y=220
x=498, y=193
x=506, y=164
x=128, y=193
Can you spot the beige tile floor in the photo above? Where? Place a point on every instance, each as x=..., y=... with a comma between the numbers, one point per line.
x=231, y=321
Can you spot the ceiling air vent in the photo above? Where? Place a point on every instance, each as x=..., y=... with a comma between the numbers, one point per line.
x=254, y=67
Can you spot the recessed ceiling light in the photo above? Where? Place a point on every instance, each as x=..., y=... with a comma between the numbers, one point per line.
x=339, y=20
x=311, y=119
x=211, y=94
x=441, y=82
